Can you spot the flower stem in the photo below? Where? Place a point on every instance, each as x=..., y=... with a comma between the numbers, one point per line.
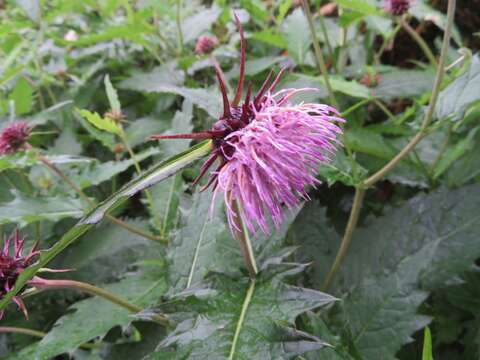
x=322, y=67
x=420, y=42
x=36, y=333
x=179, y=27
x=44, y=284
x=360, y=189
x=75, y=188
x=244, y=240
x=241, y=319
x=347, y=237
x=431, y=107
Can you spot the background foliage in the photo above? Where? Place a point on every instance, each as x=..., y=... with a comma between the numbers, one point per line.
x=72, y=68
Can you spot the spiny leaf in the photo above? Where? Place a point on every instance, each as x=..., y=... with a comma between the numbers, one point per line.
x=25, y=209
x=239, y=319
x=95, y=316
x=102, y=123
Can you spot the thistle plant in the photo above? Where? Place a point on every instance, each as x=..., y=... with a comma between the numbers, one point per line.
x=14, y=137
x=268, y=149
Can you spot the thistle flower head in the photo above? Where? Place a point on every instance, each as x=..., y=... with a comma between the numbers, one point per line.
x=13, y=137
x=268, y=149
x=12, y=264
x=205, y=44
x=397, y=7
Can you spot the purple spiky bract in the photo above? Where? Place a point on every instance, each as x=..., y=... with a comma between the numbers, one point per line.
x=275, y=157
x=12, y=264
x=397, y=7
x=13, y=137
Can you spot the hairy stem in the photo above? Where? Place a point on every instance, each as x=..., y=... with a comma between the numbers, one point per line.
x=44, y=284
x=244, y=240
x=111, y=218
x=420, y=42
x=35, y=333
x=241, y=319
x=347, y=237
x=322, y=67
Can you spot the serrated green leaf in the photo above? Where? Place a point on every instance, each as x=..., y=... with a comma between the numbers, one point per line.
x=255, y=314
x=385, y=305
x=149, y=178
x=112, y=95
x=95, y=316
x=369, y=142
x=25, y=209
x=102, y=123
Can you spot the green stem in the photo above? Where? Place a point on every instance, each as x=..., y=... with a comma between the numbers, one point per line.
x=241, y=319
x=322, y=67
x=347, y=237
x=325, y=35
x=384, y=109
x=35, y=333
x=96, y=291
x=420, y=42
x=431, y=107
x=241, y=234
x=179, y=27
x=360, y=189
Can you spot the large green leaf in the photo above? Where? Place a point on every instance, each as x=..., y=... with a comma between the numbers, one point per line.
x=149, y=178
x=195, y=25
x=297, y=35
x=455, y=99
x=203, y=244
x=107, y=253
x=94, y=317
x=381, y=312
x=403, y=83
x=242, y=319
x=25, y=209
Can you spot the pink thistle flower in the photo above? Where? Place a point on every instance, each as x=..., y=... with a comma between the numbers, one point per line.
x=13, y=137
x=268, y=149
x=12, y=264
x=206, y=44
x=397, y=7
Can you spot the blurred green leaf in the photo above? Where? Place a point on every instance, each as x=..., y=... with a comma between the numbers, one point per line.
x=102, y=123
x=427, y=345
x=112, y=95
x=94, y=317
x=196, y=25
x=22, y=95
x=297, y=35
x=25, y=209
x=454, y=100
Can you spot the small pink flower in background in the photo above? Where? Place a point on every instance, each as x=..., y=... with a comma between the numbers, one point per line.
x=206, y=44
x=13, y=137
x=268, y=149
x=71, y=35
x=12, y=264
x=397, y=7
